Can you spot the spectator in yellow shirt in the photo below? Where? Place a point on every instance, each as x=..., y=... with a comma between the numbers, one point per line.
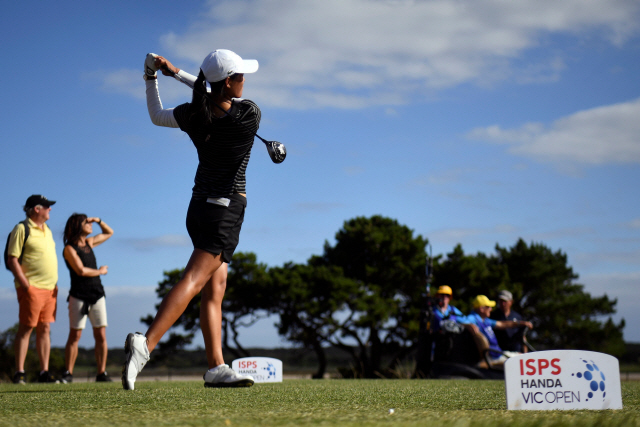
x=34, y=265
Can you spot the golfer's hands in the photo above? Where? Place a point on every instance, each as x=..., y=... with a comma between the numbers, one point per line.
x=103, y=270
x=149, y=66
x=167, y=68
x=93, y=219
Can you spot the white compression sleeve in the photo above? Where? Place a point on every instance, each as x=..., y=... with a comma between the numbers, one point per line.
x=159, y=117
x=188, y=79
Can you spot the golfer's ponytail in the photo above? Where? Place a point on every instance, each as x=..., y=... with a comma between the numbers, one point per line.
x=201, y=110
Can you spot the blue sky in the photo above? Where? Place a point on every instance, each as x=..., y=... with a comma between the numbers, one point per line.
x=471, y=122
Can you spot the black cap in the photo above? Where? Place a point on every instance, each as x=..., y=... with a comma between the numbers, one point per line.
x=38, y=199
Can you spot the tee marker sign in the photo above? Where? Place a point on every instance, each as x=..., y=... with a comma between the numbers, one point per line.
x=262, y=369
x=562, y=379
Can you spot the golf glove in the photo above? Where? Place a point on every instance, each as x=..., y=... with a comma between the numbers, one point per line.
x=150, y=65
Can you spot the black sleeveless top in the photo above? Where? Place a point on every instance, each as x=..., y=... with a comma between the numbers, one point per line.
x=87, y=289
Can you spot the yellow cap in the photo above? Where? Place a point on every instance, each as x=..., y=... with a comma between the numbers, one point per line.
x=483, y=301
x=445, y=290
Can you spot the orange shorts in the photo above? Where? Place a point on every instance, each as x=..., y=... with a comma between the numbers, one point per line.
x=37, y=305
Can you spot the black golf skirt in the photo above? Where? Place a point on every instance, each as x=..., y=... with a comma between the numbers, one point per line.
x=215, y=228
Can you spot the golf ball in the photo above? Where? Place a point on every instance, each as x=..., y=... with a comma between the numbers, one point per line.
x=391, y=411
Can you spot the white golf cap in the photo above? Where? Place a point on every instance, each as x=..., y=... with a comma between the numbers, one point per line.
x=222, y=63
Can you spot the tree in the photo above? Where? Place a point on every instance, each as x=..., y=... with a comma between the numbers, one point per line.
x=364, y=296
x=310, y=299
x=247, y=299
x=388, y=264
x=564, y=316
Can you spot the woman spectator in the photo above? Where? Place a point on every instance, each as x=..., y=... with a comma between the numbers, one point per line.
x=86, y=296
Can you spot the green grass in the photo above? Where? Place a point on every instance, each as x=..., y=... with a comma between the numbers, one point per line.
x=455, y=403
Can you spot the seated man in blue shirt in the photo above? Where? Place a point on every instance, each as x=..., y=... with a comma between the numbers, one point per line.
x=483, y=329
x=444, y=312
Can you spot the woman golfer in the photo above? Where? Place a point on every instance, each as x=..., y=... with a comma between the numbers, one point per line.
x=217, y=206
x=86, y=296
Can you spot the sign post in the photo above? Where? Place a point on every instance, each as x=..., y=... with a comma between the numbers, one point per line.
x=562, y=379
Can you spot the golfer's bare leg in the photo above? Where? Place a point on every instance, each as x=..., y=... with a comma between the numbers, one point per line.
x=43, y=344
x=71, y=349
x=211, y=315
x=198, y=271
x=100, y=335
x=21, y=345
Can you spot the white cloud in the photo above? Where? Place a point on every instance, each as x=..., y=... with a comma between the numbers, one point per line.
x=130, y=82
x=139, y=291
x=449, y=176
x=624, y=287
x=616, y=258
x=8, y=293
x=318, y=206
x=353, y=170
x=607, y=134
x=541, y=72
x=618, y=285
x=634, y=224
x=123, y=81
x=356, y=53
x=165, y=241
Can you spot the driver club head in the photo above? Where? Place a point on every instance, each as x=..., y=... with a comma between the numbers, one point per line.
x=277, y=151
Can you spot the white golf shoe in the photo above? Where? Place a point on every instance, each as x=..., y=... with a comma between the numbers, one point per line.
x=224, y=376
x=137, y=354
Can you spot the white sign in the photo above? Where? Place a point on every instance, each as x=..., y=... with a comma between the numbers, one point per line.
x=563, y=379
x=262, y=369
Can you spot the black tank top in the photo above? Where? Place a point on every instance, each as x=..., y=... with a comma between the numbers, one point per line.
x=87, y=289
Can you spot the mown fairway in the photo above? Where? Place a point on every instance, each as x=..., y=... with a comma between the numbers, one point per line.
x=295, y=402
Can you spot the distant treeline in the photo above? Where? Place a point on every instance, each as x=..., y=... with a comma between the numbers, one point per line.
x=295, y=360
x=298, y=360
